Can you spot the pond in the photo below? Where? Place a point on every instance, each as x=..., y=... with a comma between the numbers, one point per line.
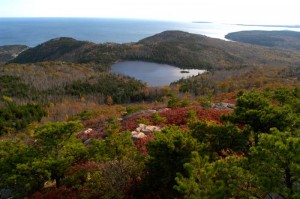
x=152, y=73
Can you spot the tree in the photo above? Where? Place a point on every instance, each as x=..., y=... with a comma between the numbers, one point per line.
x=14, y=117
x=257, y=111
x=220, y=138
x=275, y=162
x=109, y=100
x=224, y=178
x=169, y=150
x=20, y=170
x=59, y=148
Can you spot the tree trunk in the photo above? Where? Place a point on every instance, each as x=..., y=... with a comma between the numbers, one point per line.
x=57, y=182
x=288, y=180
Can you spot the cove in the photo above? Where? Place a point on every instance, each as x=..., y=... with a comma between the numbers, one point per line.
x=152, y=73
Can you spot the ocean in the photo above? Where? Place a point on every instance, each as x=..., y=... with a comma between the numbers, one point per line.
x=34, y=31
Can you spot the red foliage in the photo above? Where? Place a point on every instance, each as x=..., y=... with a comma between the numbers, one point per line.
x=140, y=144
x=132, y=122
x=94, y=134
x=57, y=193
x=211, y=114
x=177, y=116
x=83, y=167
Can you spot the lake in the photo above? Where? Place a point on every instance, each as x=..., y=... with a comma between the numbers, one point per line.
x=152, y=73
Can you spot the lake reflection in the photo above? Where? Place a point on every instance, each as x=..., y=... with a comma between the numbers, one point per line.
x=152, y=73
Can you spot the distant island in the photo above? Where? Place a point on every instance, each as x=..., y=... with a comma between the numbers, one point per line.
x=279, y=26
x=278, y=39
x=201, y=22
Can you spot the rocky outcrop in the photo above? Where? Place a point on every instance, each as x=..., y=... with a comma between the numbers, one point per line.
x=143, y=131
x=223, y=106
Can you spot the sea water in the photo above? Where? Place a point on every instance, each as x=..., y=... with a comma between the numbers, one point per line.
x=34, y=31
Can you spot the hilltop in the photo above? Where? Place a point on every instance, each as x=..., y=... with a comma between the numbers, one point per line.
x=178, y=48
x=278, y=39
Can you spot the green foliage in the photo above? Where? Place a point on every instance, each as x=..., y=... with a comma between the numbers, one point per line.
x=133, y=108
x=205, y=102
x=114, y=146
x=14, y=87
x=257, y=111
x=112, y=179
x=176, y=102
x=220, y=138
x=158, y=119
x=14, y=117
x=275, y=162
x=143, y=120
x=19, y=169
x=192, y=117
x=169, y=150
x=224, y=178
x=173, y=102
x=59, y=147
x=120, y=89
x=53, y=135
x=84, y=115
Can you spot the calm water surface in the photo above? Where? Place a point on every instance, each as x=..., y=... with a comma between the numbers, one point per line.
x=152, y=73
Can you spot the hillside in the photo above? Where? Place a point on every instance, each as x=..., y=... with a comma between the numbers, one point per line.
x=55, y=81
x=71, y=129
x=171, y=47
x=278, y=39
x=10, y=52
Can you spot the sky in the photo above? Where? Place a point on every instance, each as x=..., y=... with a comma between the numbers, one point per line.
x=283, y=12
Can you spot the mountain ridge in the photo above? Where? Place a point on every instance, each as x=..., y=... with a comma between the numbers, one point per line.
x=178, y=48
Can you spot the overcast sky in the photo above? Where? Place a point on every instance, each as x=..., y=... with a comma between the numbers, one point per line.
x=224, y=11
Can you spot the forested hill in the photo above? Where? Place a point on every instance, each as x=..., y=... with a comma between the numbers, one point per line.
x=278, y=39
x=172, y=47
x=56, y=49
x=9, y=52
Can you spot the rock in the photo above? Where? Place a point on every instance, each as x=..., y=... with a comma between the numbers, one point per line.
x=146, y=131
x=138, y=129
x=163, y=109
x=87, y=142
x=138, y=136
x=143, y=130
x=223, y=106
x=142, y=126
x=88, y=131
x=134, y=133
x=6, y=193
x=150, y=111
x=153, y=128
